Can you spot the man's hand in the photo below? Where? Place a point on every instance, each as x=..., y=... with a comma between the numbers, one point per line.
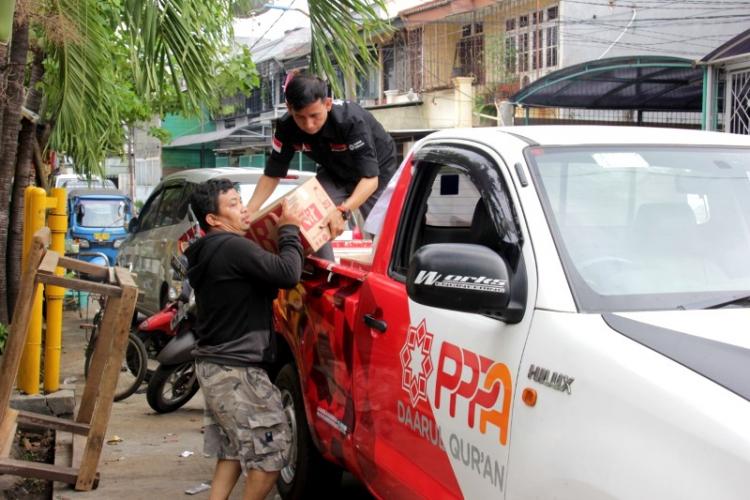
x=336, y=224
x=288, y=216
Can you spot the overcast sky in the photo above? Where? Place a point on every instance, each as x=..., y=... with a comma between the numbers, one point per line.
x=273, y=23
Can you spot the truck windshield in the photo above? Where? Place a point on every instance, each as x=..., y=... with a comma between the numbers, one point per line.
x=645, y=227
x=101, y=213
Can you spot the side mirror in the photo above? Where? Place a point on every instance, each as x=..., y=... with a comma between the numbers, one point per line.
x=133, y=225
x=460, y=277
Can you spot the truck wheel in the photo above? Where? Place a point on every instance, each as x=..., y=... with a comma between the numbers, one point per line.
x=308, y=474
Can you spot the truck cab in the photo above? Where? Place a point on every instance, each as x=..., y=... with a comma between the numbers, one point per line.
x=549, y=312
x=97, y=224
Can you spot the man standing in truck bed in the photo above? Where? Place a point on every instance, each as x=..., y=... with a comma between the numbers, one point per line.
x=356, y=155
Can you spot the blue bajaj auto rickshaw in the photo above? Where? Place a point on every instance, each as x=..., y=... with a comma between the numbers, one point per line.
x=97, y=224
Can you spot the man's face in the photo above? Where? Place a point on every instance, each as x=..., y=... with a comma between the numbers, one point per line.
x=232, y=214
x=312, y=117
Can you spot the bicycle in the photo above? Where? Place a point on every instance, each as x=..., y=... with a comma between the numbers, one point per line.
x=135, y=363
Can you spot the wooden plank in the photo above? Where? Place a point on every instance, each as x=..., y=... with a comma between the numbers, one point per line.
x=49, y=262
x=111, y=274
x=42, y=471
x=99, y=272
x=125, y=307
x=99, y=358
x=8, y=432
x=19, y=325
x=76, y=284
x=50, y=422
x=43, y=236
x=79, y=446
x=124, y=278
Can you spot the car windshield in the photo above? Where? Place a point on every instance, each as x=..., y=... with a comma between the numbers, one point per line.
x=646, y=228
x=86, y=184
x=102, y=213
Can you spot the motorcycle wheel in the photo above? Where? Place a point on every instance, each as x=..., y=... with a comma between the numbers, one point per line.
x=308, y=474
x=134, y=365
x=152, y=351
x=171, y=387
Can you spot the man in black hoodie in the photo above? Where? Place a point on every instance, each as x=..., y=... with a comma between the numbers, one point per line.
x=235, y=283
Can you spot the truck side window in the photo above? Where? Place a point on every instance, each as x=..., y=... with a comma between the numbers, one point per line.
x=450, y=210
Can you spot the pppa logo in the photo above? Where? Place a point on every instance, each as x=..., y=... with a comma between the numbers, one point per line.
x=416, y=363
x=487, y=389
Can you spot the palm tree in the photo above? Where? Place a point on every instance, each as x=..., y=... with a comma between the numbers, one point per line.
x=109, y=62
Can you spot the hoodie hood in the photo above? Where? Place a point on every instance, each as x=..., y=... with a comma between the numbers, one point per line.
x=199, y=255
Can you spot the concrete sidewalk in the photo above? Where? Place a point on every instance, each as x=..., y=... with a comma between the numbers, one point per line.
x=147, y=464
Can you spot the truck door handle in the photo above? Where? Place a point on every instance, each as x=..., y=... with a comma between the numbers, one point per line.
x=377, y=324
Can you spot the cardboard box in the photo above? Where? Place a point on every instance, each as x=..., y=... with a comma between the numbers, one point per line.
x=311, y=203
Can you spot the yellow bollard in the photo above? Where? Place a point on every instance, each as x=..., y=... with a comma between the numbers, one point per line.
x=28, y=372
x=57, y=221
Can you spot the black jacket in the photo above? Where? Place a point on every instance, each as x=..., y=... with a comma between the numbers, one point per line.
x=235, y=283
x=351, y=145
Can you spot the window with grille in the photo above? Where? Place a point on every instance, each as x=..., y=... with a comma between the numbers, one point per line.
x=469, y=60
x=510, y=53
x=738, y=101
x=536, y=55
x=414, y=51
x=523, y=52
x=552, y=43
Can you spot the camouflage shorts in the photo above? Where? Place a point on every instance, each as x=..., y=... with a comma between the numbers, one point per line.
x=244, y=417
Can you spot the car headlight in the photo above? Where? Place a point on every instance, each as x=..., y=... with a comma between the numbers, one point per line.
x=118, y=243
x=83, y=244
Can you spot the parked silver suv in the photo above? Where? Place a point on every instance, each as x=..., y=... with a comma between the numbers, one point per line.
x=153, y=235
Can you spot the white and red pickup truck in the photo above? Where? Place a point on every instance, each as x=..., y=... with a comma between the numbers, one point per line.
x=549, y=312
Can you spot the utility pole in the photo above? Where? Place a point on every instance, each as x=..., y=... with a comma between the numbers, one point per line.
x=131, y=160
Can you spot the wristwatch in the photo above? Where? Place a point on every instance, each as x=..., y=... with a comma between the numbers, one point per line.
x=345, y=214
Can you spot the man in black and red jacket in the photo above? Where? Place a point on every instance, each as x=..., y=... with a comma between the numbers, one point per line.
x=356, y=156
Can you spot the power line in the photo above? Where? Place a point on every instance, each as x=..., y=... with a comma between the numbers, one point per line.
x=272, y=25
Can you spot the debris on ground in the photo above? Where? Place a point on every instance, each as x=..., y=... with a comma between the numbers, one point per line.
x=32, y=447
x=198, y=489
x=114, y=440
x=187, y=453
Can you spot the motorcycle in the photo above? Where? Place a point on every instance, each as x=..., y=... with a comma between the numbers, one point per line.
x=169, y=337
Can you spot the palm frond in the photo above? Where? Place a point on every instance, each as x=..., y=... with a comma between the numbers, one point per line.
x=79, y=83
x=341, y=31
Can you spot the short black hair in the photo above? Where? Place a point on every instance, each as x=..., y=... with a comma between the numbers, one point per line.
x=205, y=199
x=304, y=90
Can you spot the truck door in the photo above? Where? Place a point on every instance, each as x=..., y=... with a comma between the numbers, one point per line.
x=433, y=386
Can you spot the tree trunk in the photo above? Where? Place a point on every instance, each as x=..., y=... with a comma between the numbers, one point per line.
x=9, y=143
x=3, y=79
x=42, y=175
x=23, y=177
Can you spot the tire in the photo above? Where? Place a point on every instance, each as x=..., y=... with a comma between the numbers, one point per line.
x=308, y=474
x=152, y=350
x=171, y=387
x=133, y=371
